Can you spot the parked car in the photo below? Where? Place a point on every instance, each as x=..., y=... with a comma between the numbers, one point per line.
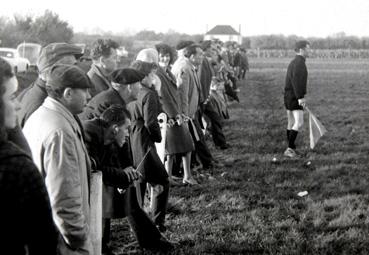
x=18, y=63
x=30, y=51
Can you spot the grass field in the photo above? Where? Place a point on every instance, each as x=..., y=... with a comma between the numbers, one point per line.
x=253, y=207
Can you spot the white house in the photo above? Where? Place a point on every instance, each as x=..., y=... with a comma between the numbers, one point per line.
x=224, y=33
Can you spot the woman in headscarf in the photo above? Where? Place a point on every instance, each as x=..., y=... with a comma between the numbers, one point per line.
x=178, y=138
x=150, y=55
x=23, y=195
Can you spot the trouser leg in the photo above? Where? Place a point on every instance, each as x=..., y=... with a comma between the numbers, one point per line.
x=216, y=126
x=142, y=226
x=201, y=149
x=159, y=203
x=157, y=177
x=105, y=233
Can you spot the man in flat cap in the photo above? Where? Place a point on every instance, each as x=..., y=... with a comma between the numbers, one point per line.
x=53, y=53
x=294, y=92
x=58, y=150
x=32, y=97
x=104, y=61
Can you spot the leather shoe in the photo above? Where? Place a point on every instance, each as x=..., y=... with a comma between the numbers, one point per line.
x=190, y=181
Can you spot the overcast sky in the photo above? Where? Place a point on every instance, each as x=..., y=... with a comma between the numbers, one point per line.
x=304, y=18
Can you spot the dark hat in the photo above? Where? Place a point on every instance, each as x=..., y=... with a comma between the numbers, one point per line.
x=68, y=76
x=127, y=76
x=144, y=67
x=53, y=52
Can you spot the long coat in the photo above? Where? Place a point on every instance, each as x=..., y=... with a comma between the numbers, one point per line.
x=25, y=206
x=59, y=152
x=145, y=131
x=188, y=86
x=206, y=73
x=296, y=80
x=178, y=138
x=98, y=79
x=111, y=160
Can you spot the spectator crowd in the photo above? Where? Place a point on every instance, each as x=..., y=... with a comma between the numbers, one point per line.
x=73, y=121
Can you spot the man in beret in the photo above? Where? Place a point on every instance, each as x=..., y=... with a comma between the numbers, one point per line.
x=104, y=61
x=294, y=92
x=145, y=133
x=124, y=90
x=32, y=97
x=58, y=150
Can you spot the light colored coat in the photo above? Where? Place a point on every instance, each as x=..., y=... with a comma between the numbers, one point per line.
x=59, y=152
x=188, y=86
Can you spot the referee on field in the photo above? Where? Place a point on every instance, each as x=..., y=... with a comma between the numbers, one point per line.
x=294, y=93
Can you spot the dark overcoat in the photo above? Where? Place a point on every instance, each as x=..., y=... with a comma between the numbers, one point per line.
x=145, y=131
x=111, y=160
x=25, y=206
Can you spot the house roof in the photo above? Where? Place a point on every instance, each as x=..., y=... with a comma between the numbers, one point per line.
x=222, y=30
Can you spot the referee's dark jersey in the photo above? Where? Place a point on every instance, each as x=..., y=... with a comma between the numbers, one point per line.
x=296, y=80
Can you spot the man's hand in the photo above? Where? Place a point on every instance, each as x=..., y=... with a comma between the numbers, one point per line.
x=302, y=102
x=132, y=174
x=171, y=123
x=179, y=119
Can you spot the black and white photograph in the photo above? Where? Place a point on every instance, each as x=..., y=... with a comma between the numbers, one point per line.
x=184, y=127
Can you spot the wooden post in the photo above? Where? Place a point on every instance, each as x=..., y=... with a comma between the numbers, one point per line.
x=96, y=211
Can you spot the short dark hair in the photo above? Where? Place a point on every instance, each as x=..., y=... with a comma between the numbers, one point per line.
x=6, y=73
x=183, y=44
x=206, y=45
x=55, y=93
x=102, y=48
x=163, y=48
x=115, y=115
x=301, y=45
x=191, y=50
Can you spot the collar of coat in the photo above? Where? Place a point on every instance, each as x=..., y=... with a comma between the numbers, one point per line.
x=56, y=106
x=301, y=57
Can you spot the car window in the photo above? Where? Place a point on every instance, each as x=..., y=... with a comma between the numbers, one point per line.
x=6, y=54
